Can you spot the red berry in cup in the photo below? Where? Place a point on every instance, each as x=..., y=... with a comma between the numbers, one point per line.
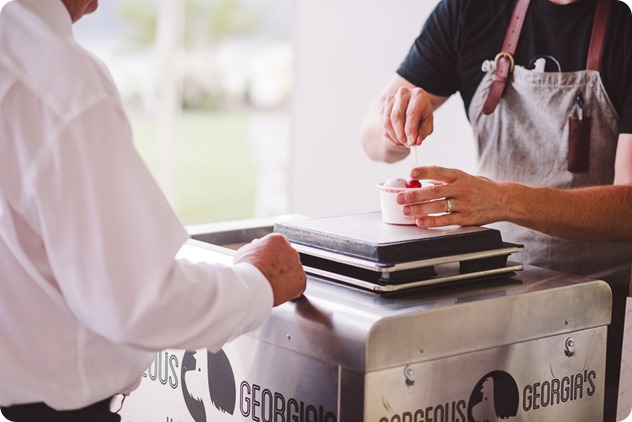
x=413, y=184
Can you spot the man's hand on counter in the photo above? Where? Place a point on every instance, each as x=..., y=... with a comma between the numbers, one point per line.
x=280, y=264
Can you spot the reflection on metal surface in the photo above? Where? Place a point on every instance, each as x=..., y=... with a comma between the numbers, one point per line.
x=306, y=309
x=518, y=346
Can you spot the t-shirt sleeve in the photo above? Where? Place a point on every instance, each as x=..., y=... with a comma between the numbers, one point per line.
x=431, y=62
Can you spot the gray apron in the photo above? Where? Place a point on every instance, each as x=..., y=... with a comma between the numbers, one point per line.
x=526, y=140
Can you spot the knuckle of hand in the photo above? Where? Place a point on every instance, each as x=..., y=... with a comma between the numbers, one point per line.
x=395, y=116
x=412, y=112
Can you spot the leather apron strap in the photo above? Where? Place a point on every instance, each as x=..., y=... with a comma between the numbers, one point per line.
x=598, y=35
x=505, y=61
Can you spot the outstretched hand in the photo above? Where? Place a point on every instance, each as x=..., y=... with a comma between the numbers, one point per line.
x=456, y=198
x=280, y=264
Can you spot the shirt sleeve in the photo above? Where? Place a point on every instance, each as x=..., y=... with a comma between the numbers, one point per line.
x=112, y=238
x=617, y=63
x=431, y=62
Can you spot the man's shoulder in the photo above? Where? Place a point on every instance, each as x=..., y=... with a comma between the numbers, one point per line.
x=619, y=41
x=474, y=13
x=62, y=74
x=51, y=64
x=622, y=17
x=622, y=8
x=480, y=6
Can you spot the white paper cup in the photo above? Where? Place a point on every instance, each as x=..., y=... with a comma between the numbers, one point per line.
x=391, y=210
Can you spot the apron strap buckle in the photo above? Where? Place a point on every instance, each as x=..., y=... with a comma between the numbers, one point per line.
x=508, y=56
x=504, y=66
x=504, y=60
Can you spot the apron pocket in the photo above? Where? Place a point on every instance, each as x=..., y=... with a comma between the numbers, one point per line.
x=578, y=144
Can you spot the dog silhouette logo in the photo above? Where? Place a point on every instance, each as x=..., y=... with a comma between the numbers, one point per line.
x=207, y=379
x=494, y=398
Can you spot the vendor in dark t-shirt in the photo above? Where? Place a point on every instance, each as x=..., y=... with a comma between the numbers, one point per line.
x=547, y=88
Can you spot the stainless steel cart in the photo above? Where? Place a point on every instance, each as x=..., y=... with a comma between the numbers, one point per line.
x=525, y=345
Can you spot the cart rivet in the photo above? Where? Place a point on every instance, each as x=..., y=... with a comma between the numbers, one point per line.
x=289, y=337
x=566, y=322
x=570, y=347
x=409, y=373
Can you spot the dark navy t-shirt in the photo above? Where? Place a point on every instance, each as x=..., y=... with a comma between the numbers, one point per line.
x=460, y=35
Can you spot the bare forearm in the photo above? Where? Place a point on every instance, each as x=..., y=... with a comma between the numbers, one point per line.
x=595, y=214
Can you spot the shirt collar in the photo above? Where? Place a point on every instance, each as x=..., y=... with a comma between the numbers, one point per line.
x=53, y=12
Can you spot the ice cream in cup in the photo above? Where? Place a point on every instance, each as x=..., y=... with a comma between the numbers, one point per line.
x=391, y=210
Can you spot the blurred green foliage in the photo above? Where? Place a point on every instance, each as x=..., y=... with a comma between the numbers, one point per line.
x=206, y=22
x=215, y=169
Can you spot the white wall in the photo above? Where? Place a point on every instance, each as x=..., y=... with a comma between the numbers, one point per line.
x=346, y=50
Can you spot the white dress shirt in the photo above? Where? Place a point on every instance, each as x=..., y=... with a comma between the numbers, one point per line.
x=90, y=288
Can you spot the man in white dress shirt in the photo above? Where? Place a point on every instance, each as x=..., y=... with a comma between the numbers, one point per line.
x=90, y=288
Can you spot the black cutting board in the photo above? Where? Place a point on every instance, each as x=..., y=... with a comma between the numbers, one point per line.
x=366, y=236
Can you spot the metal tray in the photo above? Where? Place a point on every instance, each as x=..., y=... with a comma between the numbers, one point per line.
x=388, y=278
x=379, y=276
x=365, y=236
x=385, y=268
x=448, y=273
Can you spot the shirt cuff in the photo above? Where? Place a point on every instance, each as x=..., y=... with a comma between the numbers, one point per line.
x=261, y=299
